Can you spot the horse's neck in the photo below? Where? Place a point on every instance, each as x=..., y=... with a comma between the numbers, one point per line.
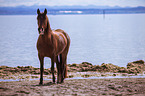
x=48, y=34
x=48, y=27
x=48, y=37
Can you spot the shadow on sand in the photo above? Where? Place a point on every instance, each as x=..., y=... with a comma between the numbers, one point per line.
x=45, y=84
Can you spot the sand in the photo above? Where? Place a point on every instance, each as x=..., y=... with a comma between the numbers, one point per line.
x=94, y=87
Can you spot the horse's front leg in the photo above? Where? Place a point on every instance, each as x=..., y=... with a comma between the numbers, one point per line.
x=41, y=59
x=52, y=70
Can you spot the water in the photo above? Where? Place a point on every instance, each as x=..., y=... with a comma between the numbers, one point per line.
x=108, y=77
x=116, y=39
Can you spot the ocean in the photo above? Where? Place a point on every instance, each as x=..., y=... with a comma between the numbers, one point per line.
x=113, y=38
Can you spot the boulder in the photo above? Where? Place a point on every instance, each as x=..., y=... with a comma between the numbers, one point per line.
x=136, y=66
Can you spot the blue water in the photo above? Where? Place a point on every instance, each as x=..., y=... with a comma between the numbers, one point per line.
x=116, y=39
x=93, y=77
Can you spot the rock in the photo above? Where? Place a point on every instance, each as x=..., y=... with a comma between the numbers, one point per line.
x=123, y=70
x=86, y=64
x=136, y=66
x=84, y=69
x=85, y=75
x=73, y=65
x=1, y=74
x=3, y=67
x=18, y=67
x=110, y=68
x=72, y=69
x=29, y=67
x=24, y=69
x=46, y=72
x=36, y=72
x=139, y=62
x=114, y=75
x=70, y=76
x=132, y=68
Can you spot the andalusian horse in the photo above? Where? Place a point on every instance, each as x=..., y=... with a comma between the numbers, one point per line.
x=54, y=44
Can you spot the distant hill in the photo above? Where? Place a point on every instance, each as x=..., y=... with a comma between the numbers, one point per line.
x=58, y=10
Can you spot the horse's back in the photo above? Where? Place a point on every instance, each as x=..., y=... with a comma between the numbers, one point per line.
x=67, y=38
x=65, y=34
x=59, y=30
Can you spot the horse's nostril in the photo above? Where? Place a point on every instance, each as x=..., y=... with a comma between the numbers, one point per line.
x=38, y=29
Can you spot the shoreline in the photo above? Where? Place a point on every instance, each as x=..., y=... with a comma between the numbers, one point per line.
x=84, y=70
x=36, y=77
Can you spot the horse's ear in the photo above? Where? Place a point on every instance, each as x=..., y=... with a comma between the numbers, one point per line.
x=45, y=11
x=38, y=11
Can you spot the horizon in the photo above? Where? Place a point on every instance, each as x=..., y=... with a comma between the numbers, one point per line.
x=73, y=6
x=111, y=3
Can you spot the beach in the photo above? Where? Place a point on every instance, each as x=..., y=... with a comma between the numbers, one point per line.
x=82, y=79
x=79, y=87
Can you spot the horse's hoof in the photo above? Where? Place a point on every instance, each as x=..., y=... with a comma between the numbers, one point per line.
x=53, y=82
x=40, y=83
x=58, y=82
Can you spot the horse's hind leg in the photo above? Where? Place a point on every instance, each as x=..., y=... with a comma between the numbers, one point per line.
x=64, y=67
x=58, y=64
x=64, y=63
x=52, y=70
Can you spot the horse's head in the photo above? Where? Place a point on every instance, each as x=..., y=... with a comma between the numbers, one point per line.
x=42, y=21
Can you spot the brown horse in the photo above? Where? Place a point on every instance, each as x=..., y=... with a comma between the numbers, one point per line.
x=54, y=44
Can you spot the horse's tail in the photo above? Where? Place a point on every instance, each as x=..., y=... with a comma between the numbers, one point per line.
x=67, y=48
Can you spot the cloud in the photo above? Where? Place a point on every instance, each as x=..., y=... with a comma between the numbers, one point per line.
x=73, y=2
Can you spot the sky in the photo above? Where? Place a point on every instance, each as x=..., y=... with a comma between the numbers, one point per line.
x=122, y=3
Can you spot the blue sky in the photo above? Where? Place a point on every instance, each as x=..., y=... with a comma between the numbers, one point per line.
x=122, y=3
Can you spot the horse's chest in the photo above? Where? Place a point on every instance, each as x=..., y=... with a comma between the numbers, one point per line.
x=45, y=49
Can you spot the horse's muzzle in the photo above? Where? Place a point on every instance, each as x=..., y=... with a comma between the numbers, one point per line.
x=41, y=31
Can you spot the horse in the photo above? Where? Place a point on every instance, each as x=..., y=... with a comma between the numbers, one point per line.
x=53, y=44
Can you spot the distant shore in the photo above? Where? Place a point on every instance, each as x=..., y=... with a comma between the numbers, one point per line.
x=71, y=10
